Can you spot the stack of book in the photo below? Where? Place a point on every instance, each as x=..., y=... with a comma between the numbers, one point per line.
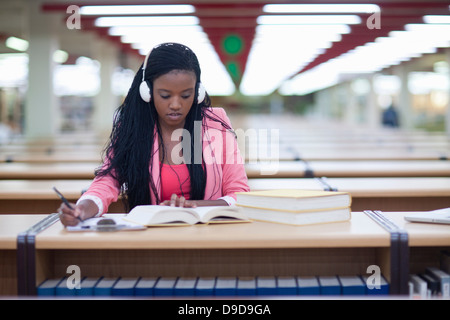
x=296, y=207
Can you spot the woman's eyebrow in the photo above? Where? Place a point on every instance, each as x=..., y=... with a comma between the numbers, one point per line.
x=169, y=91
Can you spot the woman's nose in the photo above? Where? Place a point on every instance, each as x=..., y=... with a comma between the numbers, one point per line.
x=175, y=103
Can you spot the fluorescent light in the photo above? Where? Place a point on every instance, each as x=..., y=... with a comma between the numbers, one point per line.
x=60, y=56
x=308, y=19
x=147, y=31
x=146, y=21
x=300, y=45
x=321, y=8
x=436, y=19
x=215, y=77
x=13, y=70
x=416, y=40
x=137, y=9
x=17, y=44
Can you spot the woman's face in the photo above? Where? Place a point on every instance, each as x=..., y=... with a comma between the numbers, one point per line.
x=174, y=94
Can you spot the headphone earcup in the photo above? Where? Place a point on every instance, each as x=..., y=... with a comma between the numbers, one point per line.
x=201, y=93
x=144, y=90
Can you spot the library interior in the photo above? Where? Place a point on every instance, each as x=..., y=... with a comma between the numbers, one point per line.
x=340, y=114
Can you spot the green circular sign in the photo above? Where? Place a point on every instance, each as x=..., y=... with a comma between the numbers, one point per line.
x=232, y=44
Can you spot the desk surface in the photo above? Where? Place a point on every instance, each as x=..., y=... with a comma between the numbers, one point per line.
x=421, y=234
x=350, y=168
x=41, y=189
x=281, y=169
x=12, y=225
x=358, y=187
x=365, y=187
x=360, y=231
x=25, y=170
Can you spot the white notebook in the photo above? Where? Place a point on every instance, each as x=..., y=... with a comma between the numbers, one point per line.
x=436, y=216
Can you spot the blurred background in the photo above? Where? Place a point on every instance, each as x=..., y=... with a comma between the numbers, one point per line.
x=65, y=66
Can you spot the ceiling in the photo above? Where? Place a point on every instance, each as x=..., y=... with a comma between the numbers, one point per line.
x=219, y=19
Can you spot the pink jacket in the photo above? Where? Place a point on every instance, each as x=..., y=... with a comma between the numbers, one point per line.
x=225, y=171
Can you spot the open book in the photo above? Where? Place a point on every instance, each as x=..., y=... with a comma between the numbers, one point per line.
x=156, y=215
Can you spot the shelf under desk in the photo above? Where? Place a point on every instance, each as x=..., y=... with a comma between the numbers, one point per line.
x=248, y=249
x=10, y=227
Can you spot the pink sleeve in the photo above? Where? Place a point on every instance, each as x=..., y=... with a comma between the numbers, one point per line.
x=105, y=188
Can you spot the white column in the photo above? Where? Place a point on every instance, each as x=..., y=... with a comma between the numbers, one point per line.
x=405, y=111
x=41, y=112
x=373, y=118
x=447, y=113
x=106, y=102
x=351, y=107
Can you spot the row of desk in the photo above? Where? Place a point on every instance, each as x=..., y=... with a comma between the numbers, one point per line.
x=256, y=249
x=274, y=169
x=388, y=171
x=391, y=194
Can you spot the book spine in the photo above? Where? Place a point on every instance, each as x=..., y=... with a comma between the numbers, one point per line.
x=225, y=286
x=287, y=286
x=165, y=286
x=104, y=286
x=308, y=286
x=329, y=286
x=185, y=287
x=145, y=287
x=124, y=287
x=266, y=286
x=352, y=286
x=205, y=286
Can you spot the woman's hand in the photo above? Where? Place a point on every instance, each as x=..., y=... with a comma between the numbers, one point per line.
x=84, y=210
x=176, y=201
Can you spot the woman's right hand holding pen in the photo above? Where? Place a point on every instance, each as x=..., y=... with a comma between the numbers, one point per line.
x=72, y=216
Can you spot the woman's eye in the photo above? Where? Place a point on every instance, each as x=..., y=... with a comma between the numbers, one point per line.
x=186, y=97
x=165, y=97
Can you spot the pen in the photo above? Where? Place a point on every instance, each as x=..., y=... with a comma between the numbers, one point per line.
x=63, y=198
x=65, y=201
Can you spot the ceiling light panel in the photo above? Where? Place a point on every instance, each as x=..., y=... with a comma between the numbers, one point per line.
x=321, y=8
x=136, y=9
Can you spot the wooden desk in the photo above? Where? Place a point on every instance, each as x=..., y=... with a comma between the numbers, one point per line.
x=281, y=169
x=426, y=241
x=57, y=157
x=37, y=196
x=387, y=194
x=349, y=168
x=254, y=249
x=10, y=227
x=51, y=171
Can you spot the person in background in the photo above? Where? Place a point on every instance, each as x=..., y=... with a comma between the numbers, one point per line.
x=168, y=146
x=390, y=117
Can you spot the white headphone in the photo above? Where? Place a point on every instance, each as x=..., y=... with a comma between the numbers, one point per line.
x=144, y=90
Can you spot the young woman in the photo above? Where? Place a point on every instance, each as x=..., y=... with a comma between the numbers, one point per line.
x=168, y=146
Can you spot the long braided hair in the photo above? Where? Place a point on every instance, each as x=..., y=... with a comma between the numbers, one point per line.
x=129, y=152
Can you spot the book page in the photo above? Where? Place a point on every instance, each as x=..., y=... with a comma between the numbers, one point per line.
x=158, y=215
x=222, y=214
